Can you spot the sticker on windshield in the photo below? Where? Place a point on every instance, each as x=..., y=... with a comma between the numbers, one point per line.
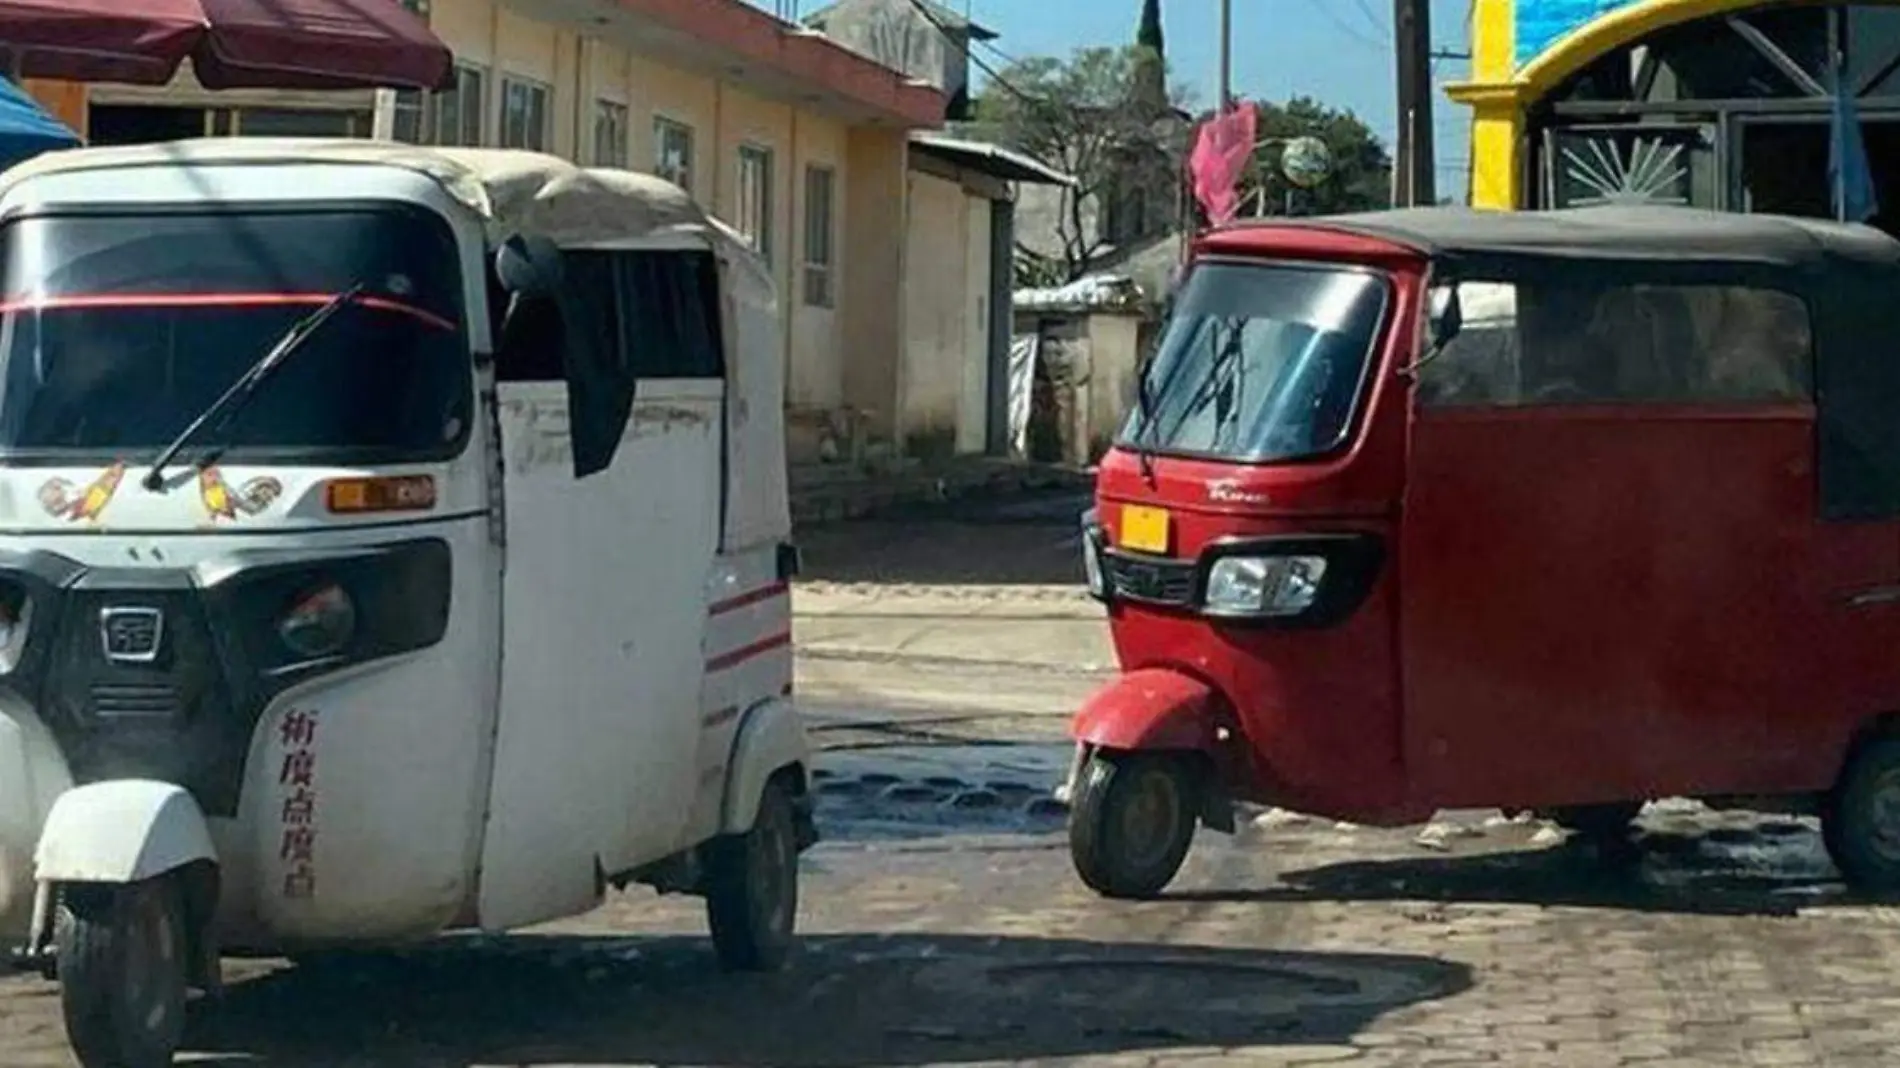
x=225, y=501
x=62, y=501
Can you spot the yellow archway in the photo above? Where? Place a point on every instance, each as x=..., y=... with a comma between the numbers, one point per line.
x=1500, y=93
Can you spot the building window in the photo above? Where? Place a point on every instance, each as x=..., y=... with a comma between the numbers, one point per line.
x=524, y=114
x=610, y=134
x=755, y=198
x=820, y=227
x=447, y=117
x=419, y=7
x=302, y=122
x=673, y=152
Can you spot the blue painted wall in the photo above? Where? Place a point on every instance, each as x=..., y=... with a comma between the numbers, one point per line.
x=1540, y=22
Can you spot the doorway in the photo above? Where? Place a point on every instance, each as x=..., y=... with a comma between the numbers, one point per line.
x=125, y=124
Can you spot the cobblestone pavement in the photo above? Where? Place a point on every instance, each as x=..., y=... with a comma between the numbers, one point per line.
x=944, y=927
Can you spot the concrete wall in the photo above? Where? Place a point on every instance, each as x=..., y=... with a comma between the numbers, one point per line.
x=1091, y=359
x=947, y=337
x=874, y=268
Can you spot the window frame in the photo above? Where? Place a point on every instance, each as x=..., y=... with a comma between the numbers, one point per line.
x=662, y=126
x=425, y=110
x=761, y=231
x=819, y=241
x=533, y=90
x=617, y=117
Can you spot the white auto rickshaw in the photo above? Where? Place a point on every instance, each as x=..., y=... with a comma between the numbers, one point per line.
x=392, y=541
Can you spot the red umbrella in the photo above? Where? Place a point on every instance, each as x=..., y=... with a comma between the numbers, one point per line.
x=232, y=44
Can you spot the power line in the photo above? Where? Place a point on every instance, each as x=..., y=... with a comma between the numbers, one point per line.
x=931, y=17
x=1332, y=15
x=1371, y=19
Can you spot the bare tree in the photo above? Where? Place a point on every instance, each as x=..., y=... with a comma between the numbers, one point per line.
x=1086, y=116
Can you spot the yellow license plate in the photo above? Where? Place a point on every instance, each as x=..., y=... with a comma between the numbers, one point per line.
x=1144, y=529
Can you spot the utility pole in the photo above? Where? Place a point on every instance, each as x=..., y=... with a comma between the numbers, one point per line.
x=1414, y=169
x=1226, y=54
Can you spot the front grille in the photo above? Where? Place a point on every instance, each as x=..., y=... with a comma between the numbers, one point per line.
x=130, y=633
x=1147, y=578
x=134, y=701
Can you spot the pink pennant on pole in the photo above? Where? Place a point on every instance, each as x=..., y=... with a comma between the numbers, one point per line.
x=1220, y=156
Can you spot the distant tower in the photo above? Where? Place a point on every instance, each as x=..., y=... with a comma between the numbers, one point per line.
x=1151, y=78
x=1149, y=36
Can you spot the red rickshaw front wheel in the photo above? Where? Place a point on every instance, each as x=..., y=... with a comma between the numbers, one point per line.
x=1132, y=820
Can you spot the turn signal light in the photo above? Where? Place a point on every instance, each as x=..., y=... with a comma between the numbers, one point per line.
x=405, y=493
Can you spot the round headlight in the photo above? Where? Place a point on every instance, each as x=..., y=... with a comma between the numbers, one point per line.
x=320, y=623
x=16, y=615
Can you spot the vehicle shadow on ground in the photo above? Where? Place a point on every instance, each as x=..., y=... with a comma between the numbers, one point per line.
x=1028, y=541
x=1725, y=872
x=846, y=1000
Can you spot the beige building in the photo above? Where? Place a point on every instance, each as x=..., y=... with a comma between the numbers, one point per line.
x=797, y=141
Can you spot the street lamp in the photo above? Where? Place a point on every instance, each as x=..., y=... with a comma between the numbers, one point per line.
x=1305, y=161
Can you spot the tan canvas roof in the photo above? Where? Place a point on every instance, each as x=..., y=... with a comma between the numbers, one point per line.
x=515, y=191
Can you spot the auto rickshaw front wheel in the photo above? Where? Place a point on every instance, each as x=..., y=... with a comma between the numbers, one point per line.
x=751, y=882
x=1132, y=819
x=123, y=958
x=1860, y=817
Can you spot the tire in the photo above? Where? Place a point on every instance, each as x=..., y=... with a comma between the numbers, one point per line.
x=1860, y=818
x=752, y=887
x=1132, y=820
x=1599, y=823
x=123, y=957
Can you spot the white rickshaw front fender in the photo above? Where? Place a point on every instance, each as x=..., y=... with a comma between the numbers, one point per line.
x=769, y=738
x=121, y=831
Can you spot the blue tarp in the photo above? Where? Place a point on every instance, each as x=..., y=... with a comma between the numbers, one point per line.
x=1849, y=174
x=26, y=130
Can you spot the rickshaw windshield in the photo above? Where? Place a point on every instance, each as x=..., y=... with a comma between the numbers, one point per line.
x=117, y=330
x=1260, y=362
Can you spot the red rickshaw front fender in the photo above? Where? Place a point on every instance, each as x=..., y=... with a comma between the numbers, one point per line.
x=1150, y=709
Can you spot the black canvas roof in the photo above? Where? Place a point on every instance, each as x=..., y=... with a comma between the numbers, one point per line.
x=1632, y=232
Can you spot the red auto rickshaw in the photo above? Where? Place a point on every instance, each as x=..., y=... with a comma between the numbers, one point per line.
x=1546, y=511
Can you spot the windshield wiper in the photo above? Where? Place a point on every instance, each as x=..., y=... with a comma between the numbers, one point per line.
x=226, y=407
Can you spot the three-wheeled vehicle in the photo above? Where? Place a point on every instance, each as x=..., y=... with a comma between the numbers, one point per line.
x=392, y=541
x=1553, y=512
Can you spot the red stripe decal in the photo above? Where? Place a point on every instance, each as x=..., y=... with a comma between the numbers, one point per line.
x=216, y=300
x=724, y=715
x=747, y=600
x=738, y=656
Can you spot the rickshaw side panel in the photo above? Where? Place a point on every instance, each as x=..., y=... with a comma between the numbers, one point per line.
x=375, y=774
x=602, y=646
x=1603, y=604
x=748, y=656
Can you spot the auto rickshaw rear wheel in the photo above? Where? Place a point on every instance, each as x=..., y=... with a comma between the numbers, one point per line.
x=751, y=882
x=1860, y=817
x=124, y=962
x=1132, y=819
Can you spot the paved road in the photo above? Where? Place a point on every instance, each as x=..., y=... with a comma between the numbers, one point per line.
x=944, y=926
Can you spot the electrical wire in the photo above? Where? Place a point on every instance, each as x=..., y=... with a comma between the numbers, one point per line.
x=1331, y=15
x=1002, y=82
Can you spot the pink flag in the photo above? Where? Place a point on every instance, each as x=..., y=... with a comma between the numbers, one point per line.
x=1220, y=157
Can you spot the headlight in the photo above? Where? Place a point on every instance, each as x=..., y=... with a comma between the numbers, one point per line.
x=16, y=615
x=1272, y=586
x=1092, y=558
x=320, y=623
